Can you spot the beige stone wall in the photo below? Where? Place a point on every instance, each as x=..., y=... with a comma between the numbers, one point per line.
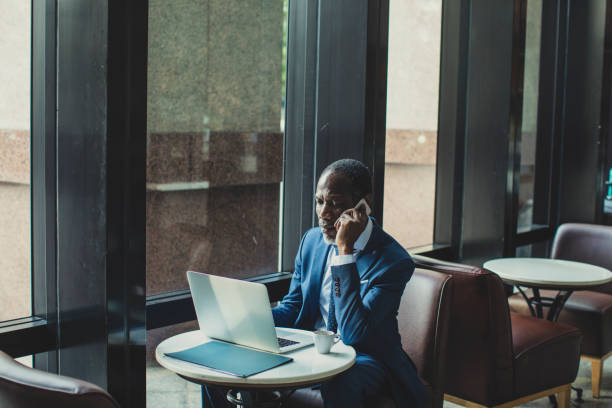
x=15, y=292
x=412, y=120
x=214, y=65
x=410, y=175
x=15, y=64
x=414, y=64
x=409, y=203
x=15, y=268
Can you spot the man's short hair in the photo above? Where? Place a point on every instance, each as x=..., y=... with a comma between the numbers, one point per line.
x=356, y=172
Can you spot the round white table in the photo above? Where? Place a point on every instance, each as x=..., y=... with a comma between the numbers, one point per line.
x=307, y=368
x=546, y=273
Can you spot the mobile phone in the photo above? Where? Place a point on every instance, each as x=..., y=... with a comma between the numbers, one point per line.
x=367, y=207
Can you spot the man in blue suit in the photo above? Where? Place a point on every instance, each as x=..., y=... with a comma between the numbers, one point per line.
x=349, y=277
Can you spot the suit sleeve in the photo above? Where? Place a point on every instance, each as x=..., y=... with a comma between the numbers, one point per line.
x=286, y=313
x=358, y=317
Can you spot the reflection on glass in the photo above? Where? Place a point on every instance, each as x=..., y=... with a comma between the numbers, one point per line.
x=214, y=139
x=536, y=250
x=530, y=113
x=15, y=272
x=412, y=120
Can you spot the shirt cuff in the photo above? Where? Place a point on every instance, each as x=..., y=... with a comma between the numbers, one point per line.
x=342, y=260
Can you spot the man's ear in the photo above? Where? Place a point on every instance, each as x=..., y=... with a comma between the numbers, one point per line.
x=368, y=199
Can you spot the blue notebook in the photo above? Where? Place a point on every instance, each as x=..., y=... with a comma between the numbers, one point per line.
x=230, y=359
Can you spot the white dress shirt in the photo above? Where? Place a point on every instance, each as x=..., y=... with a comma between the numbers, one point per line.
x=332, y=260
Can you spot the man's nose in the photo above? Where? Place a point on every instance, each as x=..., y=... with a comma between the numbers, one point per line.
x=326, y=212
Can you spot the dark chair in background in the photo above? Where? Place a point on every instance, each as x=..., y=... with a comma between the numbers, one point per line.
x=588, y=310
x=22, y=387
x=423, y=323
x=495, y=357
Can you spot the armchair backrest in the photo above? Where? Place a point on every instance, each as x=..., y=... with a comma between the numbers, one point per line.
x=22, y=386
x=423, y=324
x=589, y=243
x=479, y=363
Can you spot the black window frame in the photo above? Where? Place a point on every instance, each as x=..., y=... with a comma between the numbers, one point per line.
x=99, y=92
x=37, y=334
x=552, y=59
x=571, y=143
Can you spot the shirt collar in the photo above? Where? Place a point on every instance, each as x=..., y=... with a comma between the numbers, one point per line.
x=364, y=237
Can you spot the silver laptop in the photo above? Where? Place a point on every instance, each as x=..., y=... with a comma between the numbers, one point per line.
x=239, y=312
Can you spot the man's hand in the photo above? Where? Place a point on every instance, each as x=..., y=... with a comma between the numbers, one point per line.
x=350, y=225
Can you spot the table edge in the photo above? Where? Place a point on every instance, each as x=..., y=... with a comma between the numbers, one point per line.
x=550, y=284
x=243, y=382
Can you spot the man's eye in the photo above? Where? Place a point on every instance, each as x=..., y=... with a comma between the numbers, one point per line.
x=319, y=201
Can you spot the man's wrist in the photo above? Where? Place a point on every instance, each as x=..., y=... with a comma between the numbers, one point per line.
x=345, y=250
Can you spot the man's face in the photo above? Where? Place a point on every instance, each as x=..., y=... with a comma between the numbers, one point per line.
x=333, y=197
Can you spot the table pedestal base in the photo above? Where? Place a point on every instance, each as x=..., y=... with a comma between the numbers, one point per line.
x=259, y=399
x=537, y=303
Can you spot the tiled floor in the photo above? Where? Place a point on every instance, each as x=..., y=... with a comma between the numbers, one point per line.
x=165, y=389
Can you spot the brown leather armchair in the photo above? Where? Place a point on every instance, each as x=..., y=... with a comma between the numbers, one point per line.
x=498, y=358
x=423, y=319
x=22, y=387
x=588, y=310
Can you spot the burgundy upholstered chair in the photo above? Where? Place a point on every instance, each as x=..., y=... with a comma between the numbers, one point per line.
x=495, y=357
x=423, y=324
x=22, y=387
x=588, y=310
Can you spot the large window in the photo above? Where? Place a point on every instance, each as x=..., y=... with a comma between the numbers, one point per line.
x=215, y=129
x=15, y=237
x=412, y=120
x=214, y=139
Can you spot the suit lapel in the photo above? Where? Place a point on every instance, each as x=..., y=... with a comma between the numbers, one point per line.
x=368, y=256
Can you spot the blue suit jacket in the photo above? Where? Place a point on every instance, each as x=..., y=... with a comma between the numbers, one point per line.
x=367, y=297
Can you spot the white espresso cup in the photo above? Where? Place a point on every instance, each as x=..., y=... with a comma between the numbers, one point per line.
x=324, y=340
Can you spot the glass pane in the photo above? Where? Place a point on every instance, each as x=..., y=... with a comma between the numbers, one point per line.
x=412, y=120
x=214, y=139
x=535, y=250
x=529, y=126
x=15, y=272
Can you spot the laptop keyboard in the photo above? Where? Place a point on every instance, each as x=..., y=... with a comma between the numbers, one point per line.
x=285, y=342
